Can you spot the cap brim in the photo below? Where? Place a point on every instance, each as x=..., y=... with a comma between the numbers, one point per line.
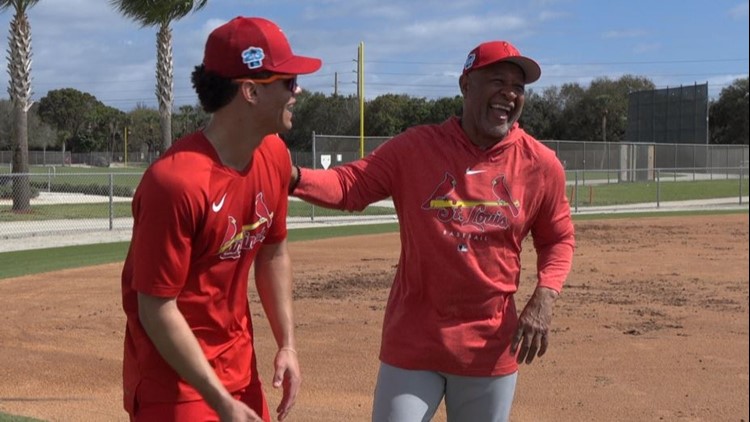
x=298, y=65
x=530, y=68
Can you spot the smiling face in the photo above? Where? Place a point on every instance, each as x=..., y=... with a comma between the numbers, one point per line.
x=278, y=98
x=493, y=101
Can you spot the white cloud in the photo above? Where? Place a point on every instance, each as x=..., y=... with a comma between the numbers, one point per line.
x=628, y=33
x=551, y=15
x=740, y=12
x=647, y=47
x=460, y=25
x=333, y=9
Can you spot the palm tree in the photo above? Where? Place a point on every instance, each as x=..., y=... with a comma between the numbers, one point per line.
x=19, y=68
x=161, y=13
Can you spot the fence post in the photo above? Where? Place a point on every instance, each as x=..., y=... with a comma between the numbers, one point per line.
x=314, y=166
x=726, y=161
x=583, y=175
x=575, y=197
x=111, y=200
x=658, y=187
x=742, y=174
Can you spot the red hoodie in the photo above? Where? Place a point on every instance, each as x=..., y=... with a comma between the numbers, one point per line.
x=463, y=214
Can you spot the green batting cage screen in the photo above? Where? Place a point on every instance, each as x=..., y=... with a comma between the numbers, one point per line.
x=669, y=116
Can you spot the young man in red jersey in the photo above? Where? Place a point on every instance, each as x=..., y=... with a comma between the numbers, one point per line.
x=467, y=192
x=211, y=207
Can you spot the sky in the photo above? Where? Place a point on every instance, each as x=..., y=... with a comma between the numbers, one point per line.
x=410, y=47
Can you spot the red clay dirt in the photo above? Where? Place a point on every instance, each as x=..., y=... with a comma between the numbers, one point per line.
x=651, y=326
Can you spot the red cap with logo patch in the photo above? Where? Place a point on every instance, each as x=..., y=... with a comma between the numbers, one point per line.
x=501, y=51
x=247, y=45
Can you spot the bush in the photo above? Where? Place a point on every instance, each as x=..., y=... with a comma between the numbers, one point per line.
x=100, y=161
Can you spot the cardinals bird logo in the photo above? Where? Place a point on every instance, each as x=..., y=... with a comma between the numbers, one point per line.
x=502, y=192
x=251, y=234
x=443, y=193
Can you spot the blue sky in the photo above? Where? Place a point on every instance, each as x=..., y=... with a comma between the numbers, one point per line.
x=410, y=47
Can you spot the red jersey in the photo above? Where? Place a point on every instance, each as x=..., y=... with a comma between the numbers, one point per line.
x=463, y=214
x=197, y=228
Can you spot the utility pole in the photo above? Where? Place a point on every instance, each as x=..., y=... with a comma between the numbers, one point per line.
x=361, y=94
x=336, y=83
x=126, y=145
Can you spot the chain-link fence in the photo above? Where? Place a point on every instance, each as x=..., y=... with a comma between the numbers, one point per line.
x=586, y=163
x=69, y=199
x=637, y=161
x=94, y=159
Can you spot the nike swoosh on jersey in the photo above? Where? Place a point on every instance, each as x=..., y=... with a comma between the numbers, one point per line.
x=469, y=171
x=217, y=207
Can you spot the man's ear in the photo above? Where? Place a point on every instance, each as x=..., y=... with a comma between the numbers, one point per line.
x=463, y=81
x=249, y=91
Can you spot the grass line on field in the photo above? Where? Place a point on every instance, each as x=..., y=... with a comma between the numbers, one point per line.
x=4, y=417
x=123, y=210
x=18, y=263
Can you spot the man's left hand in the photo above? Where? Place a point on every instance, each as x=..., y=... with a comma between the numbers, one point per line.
x=530, y=339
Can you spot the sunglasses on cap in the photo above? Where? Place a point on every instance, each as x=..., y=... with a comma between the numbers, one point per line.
x=291, y=83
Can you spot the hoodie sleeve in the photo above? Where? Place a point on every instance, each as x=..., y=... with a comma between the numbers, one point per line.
x=352, y=186
x=553, y=231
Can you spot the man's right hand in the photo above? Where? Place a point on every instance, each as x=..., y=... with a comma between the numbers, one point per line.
x=233, y=410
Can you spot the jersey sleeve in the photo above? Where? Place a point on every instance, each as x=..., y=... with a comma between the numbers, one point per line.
x=281, y=165
x=164, y=216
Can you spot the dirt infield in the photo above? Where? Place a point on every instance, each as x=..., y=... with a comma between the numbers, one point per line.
x=652, y=325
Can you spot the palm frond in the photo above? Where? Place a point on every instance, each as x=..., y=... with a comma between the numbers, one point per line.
x=20, y=6
x=157, y=12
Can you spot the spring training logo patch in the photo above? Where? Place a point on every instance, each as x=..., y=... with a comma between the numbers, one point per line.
x=470, y=61
x=253, y=57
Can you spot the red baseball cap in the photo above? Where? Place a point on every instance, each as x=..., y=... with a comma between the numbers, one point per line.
x=501, y=51
x=247, y=45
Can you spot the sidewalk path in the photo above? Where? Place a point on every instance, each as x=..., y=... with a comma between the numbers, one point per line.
x=25, y=235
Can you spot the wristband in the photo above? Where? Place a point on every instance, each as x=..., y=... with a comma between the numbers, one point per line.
x=293, y=186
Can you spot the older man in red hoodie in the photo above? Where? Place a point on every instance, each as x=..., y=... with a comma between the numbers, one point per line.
x=467, y=192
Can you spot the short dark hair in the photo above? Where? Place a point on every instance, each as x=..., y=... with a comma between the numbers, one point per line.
x=214, y=91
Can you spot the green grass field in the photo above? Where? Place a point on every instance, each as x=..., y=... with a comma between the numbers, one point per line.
x=12, y=418
x=642, y=192
x=125, y=176
x=18, y=263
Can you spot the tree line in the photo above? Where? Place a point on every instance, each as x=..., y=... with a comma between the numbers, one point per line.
x=71, y=120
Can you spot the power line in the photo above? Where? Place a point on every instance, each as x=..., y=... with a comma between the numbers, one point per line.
x=579, y=63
